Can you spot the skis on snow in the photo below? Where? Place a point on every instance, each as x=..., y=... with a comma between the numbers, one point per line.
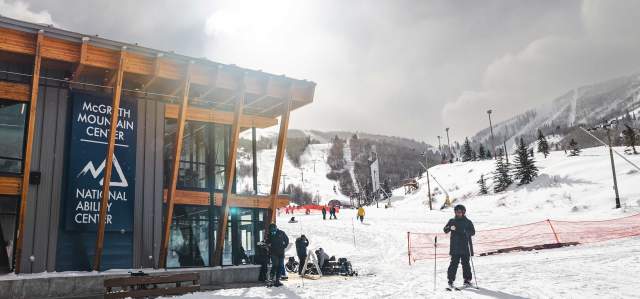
x=460, y=288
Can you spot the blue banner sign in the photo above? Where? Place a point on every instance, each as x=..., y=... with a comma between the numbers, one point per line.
x=90, y=125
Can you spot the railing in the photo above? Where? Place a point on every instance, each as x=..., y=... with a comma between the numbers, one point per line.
x=422, y=245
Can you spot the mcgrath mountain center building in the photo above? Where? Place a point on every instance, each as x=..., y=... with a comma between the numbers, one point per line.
x=78, y=110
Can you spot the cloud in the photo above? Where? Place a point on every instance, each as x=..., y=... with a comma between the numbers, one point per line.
x=20, y=10
x=603, y=48
x=403, y=67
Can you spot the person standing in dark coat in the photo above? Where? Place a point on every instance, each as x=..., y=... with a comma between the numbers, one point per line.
x=460, y=246
x=278, y=242
x=301, y=249
x=332, y=212
x=324, y=213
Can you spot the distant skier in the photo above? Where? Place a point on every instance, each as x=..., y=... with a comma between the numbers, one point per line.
x=324, y=213
x=332, y=212
x=361, y=214
x=278, y=242
x=461, y=247
x=301, y=249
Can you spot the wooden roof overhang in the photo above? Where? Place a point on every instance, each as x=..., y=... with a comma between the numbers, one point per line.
x=158, y=74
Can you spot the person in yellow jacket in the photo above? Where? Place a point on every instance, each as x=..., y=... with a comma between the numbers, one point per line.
x=361, y=214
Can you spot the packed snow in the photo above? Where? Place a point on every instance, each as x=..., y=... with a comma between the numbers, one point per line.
x=567, y=188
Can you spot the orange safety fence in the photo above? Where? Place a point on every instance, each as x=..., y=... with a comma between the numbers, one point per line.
x=306, y=209
x=421, y=245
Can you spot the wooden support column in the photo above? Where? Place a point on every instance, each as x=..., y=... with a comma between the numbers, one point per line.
x=229, y=175
x=83, y=58
x=26, y=169
x=177, y=150
x=277, y=168
x=106, y=180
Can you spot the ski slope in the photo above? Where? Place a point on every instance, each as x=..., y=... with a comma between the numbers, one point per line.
x=313, y=170
x=573, y=188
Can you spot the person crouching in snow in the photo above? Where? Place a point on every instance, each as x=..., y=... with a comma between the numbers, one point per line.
x=361, y=213
x=460, y=247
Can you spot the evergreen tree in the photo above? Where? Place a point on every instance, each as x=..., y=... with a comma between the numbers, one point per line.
x=501, y=177
x=483, y=185
x=489, y=156
x=574, y=148
x=630, y=137
x=543, y=145
x=525, y=168
x=467, y=151
x=481, y=152
x=474, y=155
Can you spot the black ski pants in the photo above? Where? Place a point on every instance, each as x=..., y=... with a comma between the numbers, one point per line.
x=453, y=267
x=276, y=263
x=303, y=260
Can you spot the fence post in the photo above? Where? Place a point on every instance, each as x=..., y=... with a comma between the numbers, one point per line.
x=409, y=247
x=554, y=231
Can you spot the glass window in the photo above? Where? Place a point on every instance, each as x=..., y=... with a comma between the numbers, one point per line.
x=205, y=149
x=8, y=217
x=189, y=241
x=220, y=153
x=12, y=129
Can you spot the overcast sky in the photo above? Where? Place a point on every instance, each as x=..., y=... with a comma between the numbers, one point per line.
x=406, y=68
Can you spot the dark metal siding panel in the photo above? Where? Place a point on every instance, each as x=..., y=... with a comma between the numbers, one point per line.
x=159, y=180
x=43, y=200
x=58, y=173
x=138, y=215
x=29, y=223
x=149, y=181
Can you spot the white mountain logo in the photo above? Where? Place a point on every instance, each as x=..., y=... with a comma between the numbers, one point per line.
x=95, y=173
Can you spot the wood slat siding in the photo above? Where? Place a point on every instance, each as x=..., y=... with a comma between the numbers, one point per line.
x=15, y=91
x=187, y=197
x=10, y=185
x=17, y=42
x=220, y=117
x=61, y=50
x=169, y=67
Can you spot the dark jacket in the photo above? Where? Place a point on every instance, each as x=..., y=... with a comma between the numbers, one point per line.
x=301, y=246
x=464, y=230
x=262, y=253
x=278, y=243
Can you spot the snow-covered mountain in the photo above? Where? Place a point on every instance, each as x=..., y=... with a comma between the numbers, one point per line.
x=583, y=105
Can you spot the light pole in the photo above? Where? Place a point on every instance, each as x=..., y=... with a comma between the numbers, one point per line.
x=284, y=183
x=613, y=166
x=439, y=144
x=493, y=143
x=448, y=143
x=426, y=159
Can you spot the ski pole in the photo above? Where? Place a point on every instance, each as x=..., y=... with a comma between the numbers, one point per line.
x=435, y=267
x=353, y=231
x=471, y=259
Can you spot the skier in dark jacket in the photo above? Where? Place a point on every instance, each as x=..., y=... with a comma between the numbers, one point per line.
x=278, y=242
x=460, y=247
x=301, y=249
x=324, y=213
